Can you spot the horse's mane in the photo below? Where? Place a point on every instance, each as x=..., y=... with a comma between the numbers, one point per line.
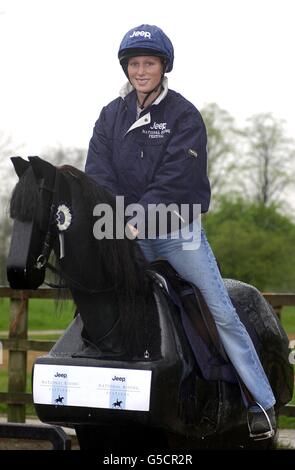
x=123, y=256
x=121, y=259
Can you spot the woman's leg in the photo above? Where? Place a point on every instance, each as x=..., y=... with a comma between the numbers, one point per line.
x=196, y=263
x=147, y=249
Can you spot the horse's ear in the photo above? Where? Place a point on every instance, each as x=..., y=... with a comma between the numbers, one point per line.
x=42, y=169
x=20, y=165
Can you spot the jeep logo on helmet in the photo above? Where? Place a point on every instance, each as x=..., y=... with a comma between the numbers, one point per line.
x=145, y=34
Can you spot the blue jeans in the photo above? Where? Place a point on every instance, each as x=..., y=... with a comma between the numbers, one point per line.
x=194, y=261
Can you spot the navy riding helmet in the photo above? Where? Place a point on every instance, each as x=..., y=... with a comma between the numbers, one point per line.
x=146, y=40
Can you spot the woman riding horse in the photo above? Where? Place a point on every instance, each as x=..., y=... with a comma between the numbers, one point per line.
x=149, y=145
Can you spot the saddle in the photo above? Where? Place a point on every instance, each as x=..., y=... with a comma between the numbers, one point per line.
x=198, y=324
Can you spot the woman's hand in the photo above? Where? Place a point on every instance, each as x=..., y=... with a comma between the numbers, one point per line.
x=133, y=230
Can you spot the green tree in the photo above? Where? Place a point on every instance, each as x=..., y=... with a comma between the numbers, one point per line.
x=269, y=169
x=221, y=147
x=253, y=243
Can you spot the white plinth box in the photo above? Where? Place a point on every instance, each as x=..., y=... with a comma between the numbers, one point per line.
x=92, y=387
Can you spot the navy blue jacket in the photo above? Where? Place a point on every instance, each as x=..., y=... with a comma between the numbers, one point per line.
x=159, y=158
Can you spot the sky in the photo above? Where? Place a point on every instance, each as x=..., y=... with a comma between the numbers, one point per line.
x=59, y=63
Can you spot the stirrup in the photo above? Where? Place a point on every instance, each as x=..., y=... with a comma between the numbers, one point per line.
x=263, y=435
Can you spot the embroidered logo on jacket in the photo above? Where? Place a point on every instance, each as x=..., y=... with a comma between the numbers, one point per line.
x=157, y=130
x=159, y=125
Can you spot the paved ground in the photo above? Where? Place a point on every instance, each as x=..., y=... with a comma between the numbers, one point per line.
x=30, y=444
x=286, y=440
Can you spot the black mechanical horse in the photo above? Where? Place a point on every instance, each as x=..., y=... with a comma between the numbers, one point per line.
x=127, y=320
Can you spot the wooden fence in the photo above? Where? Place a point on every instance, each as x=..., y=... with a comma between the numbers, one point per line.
x=18, y=345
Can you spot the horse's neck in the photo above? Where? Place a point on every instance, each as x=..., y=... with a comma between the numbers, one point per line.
x=99, y=312
x=108, y=323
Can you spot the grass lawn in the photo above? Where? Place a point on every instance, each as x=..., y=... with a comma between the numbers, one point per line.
x=43, y=314
x=52, y=315
x=286, y=422
x=288, y=319
x=288, y=322
x=30, y=410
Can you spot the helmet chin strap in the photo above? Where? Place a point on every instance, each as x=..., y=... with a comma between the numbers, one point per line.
x=148, y=93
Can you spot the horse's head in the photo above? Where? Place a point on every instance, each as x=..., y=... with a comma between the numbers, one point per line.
x=53, y=208
x=33, y=208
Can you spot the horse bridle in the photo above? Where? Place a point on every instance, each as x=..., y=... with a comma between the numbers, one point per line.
x=42, y=259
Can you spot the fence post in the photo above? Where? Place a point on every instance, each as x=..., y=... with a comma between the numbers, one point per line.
x=278, y=311
x=17, y=365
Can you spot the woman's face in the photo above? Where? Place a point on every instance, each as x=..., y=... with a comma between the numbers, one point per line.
x=145, y=72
